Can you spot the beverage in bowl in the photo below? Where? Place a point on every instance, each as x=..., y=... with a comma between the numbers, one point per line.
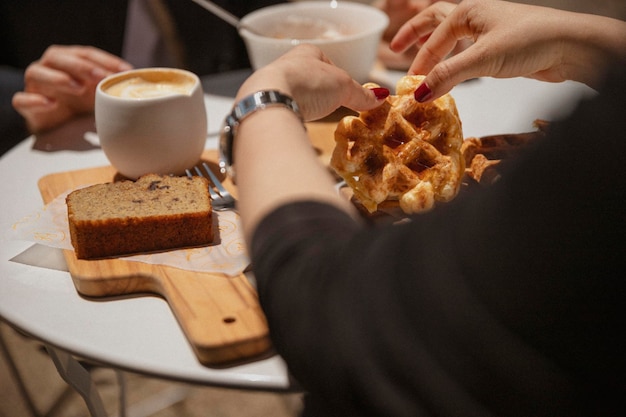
x=348, y=33
x=151, y=120
x=151, y=85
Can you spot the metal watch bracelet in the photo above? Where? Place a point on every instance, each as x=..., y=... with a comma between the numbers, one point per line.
x=244, y=108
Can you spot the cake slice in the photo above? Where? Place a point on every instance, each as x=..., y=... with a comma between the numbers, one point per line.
x=153, y=213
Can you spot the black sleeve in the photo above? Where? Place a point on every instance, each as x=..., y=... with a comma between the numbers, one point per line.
x=505, y=302
x=28, y=27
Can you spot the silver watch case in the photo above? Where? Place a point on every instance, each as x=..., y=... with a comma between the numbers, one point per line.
x=241, y=110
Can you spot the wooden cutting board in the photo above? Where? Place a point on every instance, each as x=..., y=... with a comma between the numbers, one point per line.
x=220, y=315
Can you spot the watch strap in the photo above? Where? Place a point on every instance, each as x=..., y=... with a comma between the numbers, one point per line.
x=244, y=108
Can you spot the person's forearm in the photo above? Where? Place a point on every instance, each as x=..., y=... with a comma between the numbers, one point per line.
x=276, y=164
x=593, y=43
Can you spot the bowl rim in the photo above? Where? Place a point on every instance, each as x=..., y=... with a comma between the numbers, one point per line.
x=309, y=5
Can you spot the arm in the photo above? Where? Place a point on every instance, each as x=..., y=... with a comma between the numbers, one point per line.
x=510, y=40
x=503, y=302
x=419, y=319
x=62, y=84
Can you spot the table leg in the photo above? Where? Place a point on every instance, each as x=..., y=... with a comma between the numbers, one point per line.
x=78, y=378
x=121, y=382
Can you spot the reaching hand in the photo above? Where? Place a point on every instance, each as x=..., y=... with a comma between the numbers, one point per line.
x=398, y=11
x=314, y=82
x=510, y=40
x=62, y=84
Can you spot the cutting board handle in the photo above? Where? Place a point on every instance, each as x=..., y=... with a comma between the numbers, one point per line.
x=219, y=314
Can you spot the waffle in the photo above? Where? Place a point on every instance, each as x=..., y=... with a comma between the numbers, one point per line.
x=483, y=162
x=483, y=156
x=402, y=151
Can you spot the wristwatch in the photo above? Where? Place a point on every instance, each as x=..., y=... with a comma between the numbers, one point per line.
x=244, y=108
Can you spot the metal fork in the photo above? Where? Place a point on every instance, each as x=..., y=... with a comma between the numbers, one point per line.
x=221, y=199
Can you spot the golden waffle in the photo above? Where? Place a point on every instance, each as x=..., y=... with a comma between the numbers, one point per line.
x=402, y=151
x=483, y=155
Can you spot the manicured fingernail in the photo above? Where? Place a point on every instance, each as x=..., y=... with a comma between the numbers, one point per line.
x=423, y=93
x=380, y=92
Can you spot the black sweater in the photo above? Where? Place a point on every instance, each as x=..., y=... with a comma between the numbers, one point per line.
x=508, y=301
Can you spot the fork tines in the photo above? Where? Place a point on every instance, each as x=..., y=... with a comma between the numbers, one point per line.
x=221, y=198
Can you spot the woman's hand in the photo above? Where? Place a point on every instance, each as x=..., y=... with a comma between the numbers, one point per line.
x=314, y=82
x=509, y=40
x=272, y=150
x=399, y=12
x=62, y=84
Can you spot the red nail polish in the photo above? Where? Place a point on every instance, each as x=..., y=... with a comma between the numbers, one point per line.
x=423, y=93
x=380, y=92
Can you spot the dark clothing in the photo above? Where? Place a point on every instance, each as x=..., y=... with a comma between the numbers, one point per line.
x=508, y=301
x=211, y=45
x=28, y=27
x=12, y=125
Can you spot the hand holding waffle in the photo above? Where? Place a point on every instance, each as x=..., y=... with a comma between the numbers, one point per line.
x=509, y=40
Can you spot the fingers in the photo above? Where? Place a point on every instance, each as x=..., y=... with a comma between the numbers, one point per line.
x=83, y=63
x=47, y=81
x=62, y=83
x=39, y=112
x=328, y=95
x=438, y=31
x=318, y=86
x=451, y=72
x=335, y=88
x=443, y=71
x=418, y=29
x=360, y=98
x=27, y=103
x=109, y=62
x=71, y=70
x=395, y=61
x=350, y=93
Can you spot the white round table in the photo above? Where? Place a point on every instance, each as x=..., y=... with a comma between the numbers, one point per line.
x=140, y=334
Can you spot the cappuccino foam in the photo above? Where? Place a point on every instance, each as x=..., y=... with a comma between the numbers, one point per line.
x=148, y=87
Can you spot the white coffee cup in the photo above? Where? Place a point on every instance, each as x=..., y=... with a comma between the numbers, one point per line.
x=151, y=120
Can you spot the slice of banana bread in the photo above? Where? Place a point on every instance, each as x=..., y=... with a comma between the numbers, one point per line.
x=151, y=214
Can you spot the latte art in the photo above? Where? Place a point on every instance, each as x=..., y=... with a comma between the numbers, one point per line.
x=140, y=87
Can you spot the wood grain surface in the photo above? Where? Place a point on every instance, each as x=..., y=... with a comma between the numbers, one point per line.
x=220, y=315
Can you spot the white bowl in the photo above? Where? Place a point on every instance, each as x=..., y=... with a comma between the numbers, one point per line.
x=353, y=48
